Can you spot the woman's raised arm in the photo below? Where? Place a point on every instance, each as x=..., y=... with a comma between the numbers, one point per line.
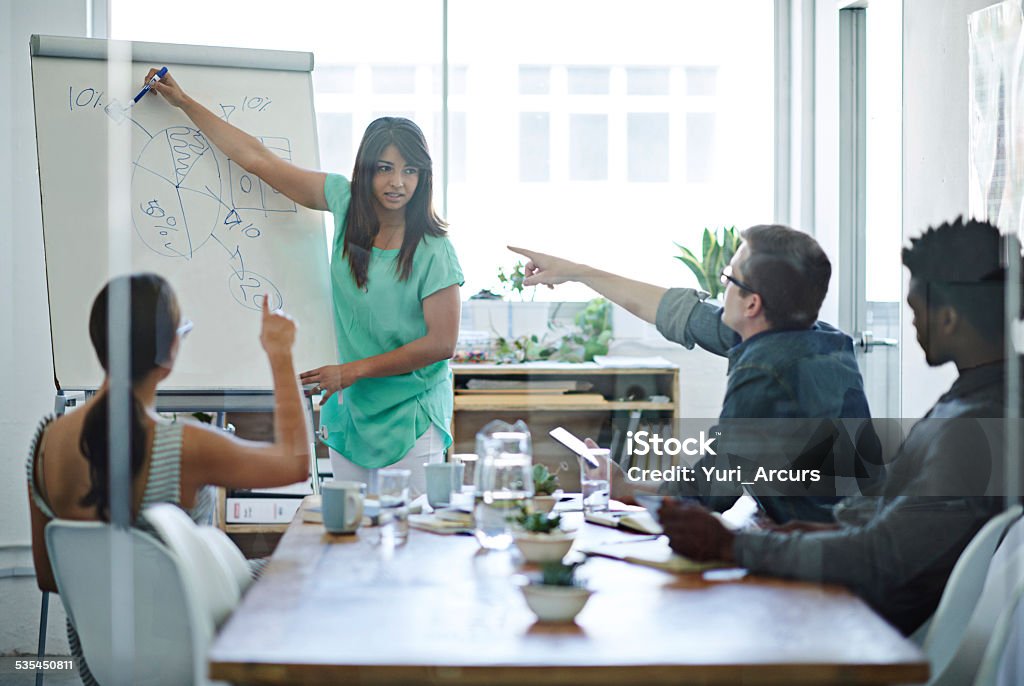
x=304, y=186
x=211, y=456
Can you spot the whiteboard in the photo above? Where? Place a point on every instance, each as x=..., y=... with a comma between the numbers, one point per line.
x=173, y=204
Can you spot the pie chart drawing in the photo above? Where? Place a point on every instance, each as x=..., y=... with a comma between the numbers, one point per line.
x=176, y=192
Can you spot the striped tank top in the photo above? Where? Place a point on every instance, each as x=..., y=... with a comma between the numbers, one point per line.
x=162, y=486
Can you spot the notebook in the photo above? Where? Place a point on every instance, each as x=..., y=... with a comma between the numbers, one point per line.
x=650, y=553
x=439, y=525
x=633, y=520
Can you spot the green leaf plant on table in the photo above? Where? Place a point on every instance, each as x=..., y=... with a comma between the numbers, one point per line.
x=590, y=335
x=540, y=537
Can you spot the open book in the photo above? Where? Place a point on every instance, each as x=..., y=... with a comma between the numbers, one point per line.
x=650, y=553
x=634, y=520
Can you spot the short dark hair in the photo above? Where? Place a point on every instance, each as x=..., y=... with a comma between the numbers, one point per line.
x=790, y=272
x=962, y=265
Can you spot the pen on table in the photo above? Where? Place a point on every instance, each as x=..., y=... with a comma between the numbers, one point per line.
x=145, y=89
x=635, y=539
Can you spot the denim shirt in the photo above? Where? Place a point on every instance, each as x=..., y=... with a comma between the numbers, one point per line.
x=779, y=375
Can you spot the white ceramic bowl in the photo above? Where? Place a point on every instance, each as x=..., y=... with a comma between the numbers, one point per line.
x=544, y=547
x=555, y=603
x=545, y=503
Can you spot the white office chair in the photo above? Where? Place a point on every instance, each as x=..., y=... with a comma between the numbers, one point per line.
x=959, y=662
x=943, y=632
x=171, y=631
x=210, y=572
x=1008, y=547
x=1003, y=662
x=229, y=554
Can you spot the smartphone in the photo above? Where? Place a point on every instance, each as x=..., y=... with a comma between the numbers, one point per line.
x=574, y=444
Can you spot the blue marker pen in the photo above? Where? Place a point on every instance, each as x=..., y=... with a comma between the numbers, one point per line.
x=145, y=89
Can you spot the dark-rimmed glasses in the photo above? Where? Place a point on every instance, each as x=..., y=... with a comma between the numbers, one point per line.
x=726, y=276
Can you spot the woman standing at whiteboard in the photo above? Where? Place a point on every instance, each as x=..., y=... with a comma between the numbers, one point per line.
x=395, y=281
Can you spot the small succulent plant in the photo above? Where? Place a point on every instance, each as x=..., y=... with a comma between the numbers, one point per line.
x=544, y=482
x=560, y=574
x=539, y=522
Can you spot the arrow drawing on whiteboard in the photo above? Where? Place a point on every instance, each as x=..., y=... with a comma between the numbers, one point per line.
x=234, y=257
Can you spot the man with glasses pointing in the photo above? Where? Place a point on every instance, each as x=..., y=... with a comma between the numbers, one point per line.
x=785, y=368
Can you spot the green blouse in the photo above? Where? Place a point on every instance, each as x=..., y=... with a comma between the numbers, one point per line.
x=375, y=422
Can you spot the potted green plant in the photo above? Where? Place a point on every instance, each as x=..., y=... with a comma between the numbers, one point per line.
x=526, y=317
x=591, y=336
x=546, y=490
x=540, y=537
x=514, y=313
x=557, y=595
x=513, y=282
x=717, y=249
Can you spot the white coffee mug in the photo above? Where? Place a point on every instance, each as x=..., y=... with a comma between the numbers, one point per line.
x=342, y=505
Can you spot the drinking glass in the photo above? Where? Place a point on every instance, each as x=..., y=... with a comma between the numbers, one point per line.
x=595, y=481
x=393, y=492
x=468, y=461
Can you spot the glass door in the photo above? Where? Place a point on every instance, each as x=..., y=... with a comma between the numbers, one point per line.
x=870, y=269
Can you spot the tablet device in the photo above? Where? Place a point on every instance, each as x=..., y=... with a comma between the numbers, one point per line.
x=574, y=444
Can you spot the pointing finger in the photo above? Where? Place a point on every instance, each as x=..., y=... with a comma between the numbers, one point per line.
x=523, y=251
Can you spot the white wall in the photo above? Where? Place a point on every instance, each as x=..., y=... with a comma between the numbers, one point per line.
x=27, y=372
x=935, y=129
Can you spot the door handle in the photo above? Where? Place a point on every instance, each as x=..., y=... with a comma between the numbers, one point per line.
x=868, y=341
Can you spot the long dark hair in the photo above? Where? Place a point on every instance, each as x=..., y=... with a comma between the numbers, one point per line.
x=361, y=221
x=154, y=321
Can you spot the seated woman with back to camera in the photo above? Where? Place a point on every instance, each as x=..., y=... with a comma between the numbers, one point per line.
x=171, y=461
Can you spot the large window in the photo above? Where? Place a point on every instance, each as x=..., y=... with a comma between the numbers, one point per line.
x=606, y=131
x=596, y=130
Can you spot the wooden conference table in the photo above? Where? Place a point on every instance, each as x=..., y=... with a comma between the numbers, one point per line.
x=435, y=611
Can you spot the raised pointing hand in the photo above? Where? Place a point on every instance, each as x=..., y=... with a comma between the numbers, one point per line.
x=277, y=333
x=547, y=270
